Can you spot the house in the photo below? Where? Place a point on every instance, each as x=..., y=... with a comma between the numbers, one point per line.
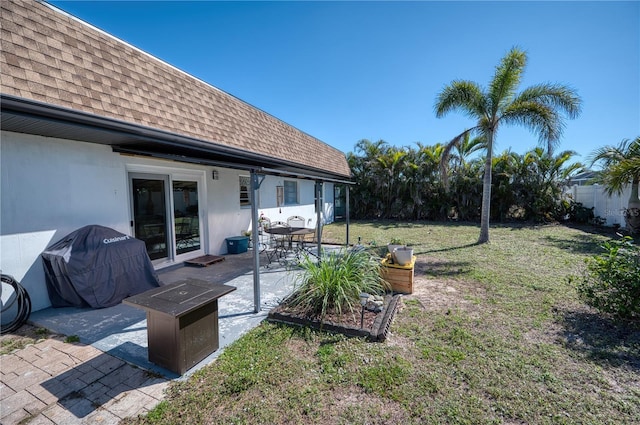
x=96, y=131
x=584, y=178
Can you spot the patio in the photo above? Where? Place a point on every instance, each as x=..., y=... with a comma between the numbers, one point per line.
x=121, y=331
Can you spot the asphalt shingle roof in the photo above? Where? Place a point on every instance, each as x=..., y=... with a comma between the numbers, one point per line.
x=54, y=58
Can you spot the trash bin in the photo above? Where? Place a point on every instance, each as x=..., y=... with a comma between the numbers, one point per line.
x=237, y=244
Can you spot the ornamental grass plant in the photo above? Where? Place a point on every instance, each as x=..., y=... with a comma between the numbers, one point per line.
x=336, y=282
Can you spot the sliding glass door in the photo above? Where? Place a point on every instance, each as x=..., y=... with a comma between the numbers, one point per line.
x=187, y=221
x=150, y=214
x=166, y=215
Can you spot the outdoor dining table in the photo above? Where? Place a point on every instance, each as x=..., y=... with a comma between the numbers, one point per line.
x=289, y=233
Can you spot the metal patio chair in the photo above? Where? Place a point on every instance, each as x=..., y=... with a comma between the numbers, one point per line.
x=278, y=243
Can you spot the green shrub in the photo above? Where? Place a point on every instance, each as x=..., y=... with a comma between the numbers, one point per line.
x=580, y=214
x=611, y=282
x=336, y=282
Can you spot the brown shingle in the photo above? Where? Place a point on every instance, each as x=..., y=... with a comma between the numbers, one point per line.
x=98, y=74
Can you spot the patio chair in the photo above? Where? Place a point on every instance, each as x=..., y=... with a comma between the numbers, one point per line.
x=310, y=241
x=277, y=243
x=297, y=221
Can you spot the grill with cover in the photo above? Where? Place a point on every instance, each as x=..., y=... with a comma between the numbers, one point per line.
x=98, y=267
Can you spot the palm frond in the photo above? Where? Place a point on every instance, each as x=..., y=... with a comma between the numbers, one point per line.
x=618, y=176
x=608, y=155
x=537, y=117
x=446, y=154
x=555, y=96
x=460, y=95
x=506, y=79
x=621, y=165
x=473, y=145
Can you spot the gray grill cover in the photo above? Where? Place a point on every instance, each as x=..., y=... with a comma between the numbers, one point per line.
x=98, y=267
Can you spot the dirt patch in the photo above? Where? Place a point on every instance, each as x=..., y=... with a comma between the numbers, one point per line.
x=443, y=294
x=370, y=408
x=23, y=336
x=436, y=294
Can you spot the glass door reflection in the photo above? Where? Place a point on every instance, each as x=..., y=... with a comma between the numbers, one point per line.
x=150, y=215
x=187, y=220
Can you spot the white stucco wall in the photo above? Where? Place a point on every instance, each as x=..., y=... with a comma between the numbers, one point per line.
x=306, y=201
x=51, y=187
x=224, y=215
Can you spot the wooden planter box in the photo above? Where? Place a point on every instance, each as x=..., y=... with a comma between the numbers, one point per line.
x=399, y=277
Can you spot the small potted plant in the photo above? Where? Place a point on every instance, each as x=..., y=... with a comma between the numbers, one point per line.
x=393, y=244
x=263, y=222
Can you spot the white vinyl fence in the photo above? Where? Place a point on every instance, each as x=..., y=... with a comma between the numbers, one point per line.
x=610, y=208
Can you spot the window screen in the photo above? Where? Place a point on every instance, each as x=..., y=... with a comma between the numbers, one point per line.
x=290, y=192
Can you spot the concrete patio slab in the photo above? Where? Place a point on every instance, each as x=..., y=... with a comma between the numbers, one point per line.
x=121, y=330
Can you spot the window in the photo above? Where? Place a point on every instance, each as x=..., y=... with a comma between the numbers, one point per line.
x=245, y=195
x=290, y=192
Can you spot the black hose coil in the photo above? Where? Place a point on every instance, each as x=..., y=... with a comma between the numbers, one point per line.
x=24, y=305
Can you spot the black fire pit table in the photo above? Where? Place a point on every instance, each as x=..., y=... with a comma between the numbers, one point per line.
x=182, y=322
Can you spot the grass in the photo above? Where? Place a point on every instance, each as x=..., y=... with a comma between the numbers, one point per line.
x=492, y=334
x=19, y=339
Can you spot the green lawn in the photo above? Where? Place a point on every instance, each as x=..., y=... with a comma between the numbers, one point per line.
x=492, y=334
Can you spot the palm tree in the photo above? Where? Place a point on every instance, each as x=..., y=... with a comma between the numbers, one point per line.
x=365, y=169
x=537, y=107
x=621, y=166
x=541, y=178
x=465, y=146
x=391, y=165
x=468, y=146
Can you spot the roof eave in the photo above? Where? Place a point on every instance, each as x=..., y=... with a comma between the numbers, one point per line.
x=19, y=114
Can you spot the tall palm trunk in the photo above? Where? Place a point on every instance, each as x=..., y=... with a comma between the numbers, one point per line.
x=485, y=212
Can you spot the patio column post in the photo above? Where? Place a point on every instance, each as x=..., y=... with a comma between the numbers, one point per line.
x=319, y=216
x=346, y=210
x=255, y=186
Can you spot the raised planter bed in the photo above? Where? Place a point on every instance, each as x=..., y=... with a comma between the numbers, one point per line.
x=375, y=331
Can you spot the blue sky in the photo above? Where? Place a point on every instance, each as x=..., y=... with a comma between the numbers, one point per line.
x=345, y=71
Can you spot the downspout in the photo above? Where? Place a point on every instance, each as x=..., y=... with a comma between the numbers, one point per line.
x=256, y=181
